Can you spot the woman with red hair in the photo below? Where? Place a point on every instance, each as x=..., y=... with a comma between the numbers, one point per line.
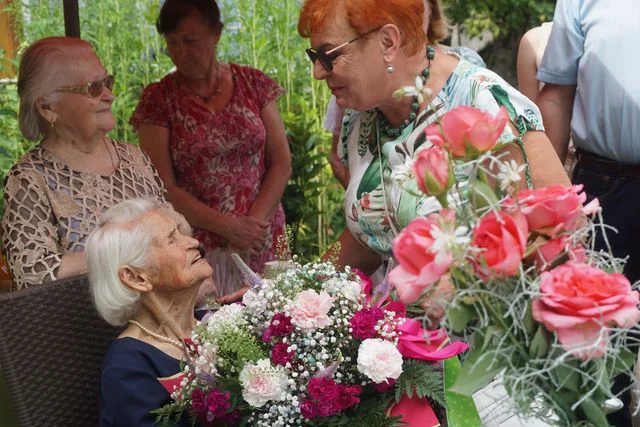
x=368, y=49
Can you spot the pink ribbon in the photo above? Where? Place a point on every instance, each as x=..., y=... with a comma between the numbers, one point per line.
x=416, y=343
x=415, y=412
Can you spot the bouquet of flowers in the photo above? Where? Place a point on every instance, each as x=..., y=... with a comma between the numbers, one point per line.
x=310, y=346
x=536, y=302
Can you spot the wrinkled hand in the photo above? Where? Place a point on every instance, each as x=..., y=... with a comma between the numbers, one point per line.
x=233, y=297
x=247, y=233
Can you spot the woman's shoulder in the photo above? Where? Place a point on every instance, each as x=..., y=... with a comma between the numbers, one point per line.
x=250, y=74
x=134, y=354
x=244, y=69
x=474, y=85
x=32, y=162
x=484, y=77
x=162, y=87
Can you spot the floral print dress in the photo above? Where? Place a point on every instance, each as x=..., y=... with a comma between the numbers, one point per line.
x=376, y=212
x=218, y=157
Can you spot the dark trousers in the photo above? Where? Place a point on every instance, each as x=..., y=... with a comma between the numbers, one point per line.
x=619, y=196
x=618, y=190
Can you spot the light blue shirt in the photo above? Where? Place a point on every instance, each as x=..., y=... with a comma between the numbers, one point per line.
x=595, y=44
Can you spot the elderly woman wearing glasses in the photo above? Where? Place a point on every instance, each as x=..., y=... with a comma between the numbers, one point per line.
x=54, y=196
x=366, y=50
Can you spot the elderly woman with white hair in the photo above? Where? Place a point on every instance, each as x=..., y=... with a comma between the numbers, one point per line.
x=144, y=274
x=54, y=196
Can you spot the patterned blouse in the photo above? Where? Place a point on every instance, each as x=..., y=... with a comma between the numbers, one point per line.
x=50, y=209
x=374, y=211
x=218, y=157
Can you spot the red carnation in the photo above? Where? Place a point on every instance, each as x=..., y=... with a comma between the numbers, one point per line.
x=364, y=321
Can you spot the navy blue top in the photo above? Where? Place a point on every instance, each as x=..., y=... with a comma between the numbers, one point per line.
x=129, y=386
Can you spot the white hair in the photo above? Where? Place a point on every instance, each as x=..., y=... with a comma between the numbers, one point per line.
x=44, y=67
x=120, y=240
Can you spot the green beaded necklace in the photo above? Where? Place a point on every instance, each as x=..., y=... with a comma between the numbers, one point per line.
x=394, y=132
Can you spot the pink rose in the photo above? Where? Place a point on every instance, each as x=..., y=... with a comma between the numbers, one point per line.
x=578, y=302
x=468, y=131
x=552, y=249
x=502, y=238
x=433, y=171
x=552, y=209
x=421, y=263
x=310, y=310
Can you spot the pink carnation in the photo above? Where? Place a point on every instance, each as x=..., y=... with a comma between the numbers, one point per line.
x=364, y=321
x=308, y=409
x=280, y=326
x=349, y=396
x=217, y=404
x=326, y=398
x=367, y=284
x=578, y=302
x=280, y=355
x=198, y=402
x=311, y=310
x=322, y=389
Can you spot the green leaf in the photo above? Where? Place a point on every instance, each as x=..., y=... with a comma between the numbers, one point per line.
x=539, y=344
x=569, y=379
x=482, y=196
x=479, y=367
x=624, y=362
x=477, y=372
x=458, y=316
x=421, y=378
x=528, y=322
x=593, y=413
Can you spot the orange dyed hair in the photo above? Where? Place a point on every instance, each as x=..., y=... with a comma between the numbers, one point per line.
x=365, y=15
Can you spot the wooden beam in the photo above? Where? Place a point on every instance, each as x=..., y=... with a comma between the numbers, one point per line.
x=71, y=18
x=8, y=42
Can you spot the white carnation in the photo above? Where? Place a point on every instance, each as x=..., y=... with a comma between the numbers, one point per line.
x=379, y=360
x=262, y=382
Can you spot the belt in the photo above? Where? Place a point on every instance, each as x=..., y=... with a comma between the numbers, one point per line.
x=586, y=158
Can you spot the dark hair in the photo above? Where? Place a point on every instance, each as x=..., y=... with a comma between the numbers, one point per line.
x=174, y=11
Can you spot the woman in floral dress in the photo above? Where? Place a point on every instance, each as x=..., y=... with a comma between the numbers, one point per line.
x=366, y=52
x=215, y=135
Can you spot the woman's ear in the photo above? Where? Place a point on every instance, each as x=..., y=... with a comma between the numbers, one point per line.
x=46, y=110
x=390, y=42
x=135, y=279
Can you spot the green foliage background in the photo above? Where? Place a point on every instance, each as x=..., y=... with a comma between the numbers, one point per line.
x=260, y=33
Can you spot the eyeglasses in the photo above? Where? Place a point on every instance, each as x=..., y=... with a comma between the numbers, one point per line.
x=326, y=58
x=92, y=89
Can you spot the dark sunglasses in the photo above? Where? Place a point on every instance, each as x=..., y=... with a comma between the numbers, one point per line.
x=326, y=58
x=92, y=89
